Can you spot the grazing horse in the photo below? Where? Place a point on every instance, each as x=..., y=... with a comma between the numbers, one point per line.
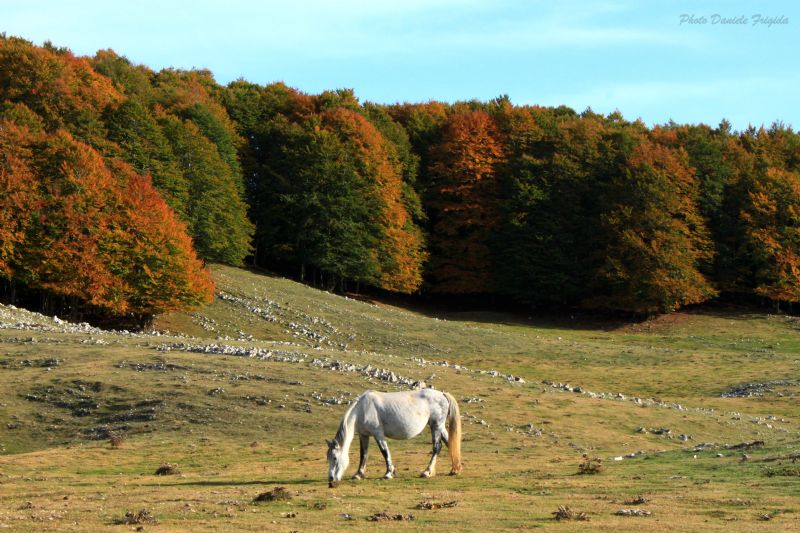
x=396, y=415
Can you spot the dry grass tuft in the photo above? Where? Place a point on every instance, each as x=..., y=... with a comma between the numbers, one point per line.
x=637, y=500
x=565, y=513
x=142, y=517
x=590, y=465
x=116, y=440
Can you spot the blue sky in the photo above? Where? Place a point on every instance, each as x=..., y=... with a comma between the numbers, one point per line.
x=633, y=56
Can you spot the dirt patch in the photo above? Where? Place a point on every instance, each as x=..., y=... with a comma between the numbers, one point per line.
x=109, y=408
x=793, y=457
x=278, y=494
x=77, y=396
x=655, y=324
x=123, y=411
x=51, y=362
x=748, y=445
x=787, y=471
x=158, y=366
x=758, y=389
x=167, y=469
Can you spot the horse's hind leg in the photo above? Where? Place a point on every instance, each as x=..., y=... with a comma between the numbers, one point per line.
x=386, y=455
x=362, y=465
x=436, y=437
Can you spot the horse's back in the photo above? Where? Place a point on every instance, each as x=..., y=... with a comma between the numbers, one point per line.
x=400, y=415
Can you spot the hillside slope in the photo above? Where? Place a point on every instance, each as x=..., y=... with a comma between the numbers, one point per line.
x=241, y=394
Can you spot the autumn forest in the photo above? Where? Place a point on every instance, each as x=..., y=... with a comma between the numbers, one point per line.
x=118, y=184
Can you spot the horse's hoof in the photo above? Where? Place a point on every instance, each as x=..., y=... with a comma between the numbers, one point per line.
x=358, y=476
x=388, y=475
x=426, y=474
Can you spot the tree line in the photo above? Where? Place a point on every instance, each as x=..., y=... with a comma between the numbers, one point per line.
x=117, y=182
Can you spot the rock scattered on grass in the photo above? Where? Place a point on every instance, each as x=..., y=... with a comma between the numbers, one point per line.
x=142, y=517
x=493, y=373
x=436, y=505
x=368, y=371
x=752, y=390
x=633, y=512
x=380, y=517
x=748, y=445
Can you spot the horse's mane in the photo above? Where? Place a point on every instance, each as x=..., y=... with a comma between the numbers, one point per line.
x=343, y=424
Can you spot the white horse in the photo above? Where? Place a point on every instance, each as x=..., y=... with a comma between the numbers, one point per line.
x=396, y=415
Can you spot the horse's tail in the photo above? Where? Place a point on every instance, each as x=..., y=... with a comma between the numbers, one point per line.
x=454, y=433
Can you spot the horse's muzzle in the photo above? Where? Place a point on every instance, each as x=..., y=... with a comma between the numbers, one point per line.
x=332, y=484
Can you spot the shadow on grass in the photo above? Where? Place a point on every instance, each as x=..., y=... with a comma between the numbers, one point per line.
x=234, y=482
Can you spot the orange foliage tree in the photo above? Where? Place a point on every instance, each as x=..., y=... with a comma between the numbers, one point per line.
x=99, y=235
x=770, y=220
x=18, y=196
x=655, y=237
x=400, y=251
x=154, y=251
x=462, y=200
x=62, y=89
x=63, y=246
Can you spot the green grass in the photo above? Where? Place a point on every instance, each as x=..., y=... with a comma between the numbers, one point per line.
x=267, y=427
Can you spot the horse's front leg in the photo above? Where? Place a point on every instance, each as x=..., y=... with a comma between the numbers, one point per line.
x=386, y=455
x=361, y=473
x=436, y=437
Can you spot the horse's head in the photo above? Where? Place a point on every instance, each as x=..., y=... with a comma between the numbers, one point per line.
x=337, y=463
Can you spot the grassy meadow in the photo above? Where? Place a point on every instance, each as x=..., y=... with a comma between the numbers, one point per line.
x=538, y=398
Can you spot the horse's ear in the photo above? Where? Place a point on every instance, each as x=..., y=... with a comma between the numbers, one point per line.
x=329, y=443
